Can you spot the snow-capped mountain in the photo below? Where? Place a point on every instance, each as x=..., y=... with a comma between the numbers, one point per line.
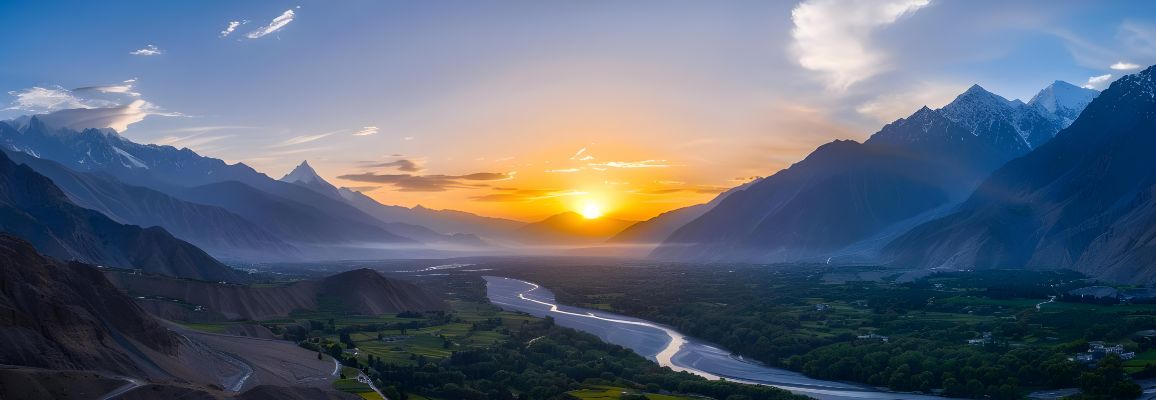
x=1084, y=200
x=1064, y=100
x=846, y=194
x=1011, y=124
x=305, y=175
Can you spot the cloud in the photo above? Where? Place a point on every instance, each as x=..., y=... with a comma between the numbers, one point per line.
x=118, y=118
x=275, y=25
x=632, y=164
x=429, y=183
x=401, y=165
x=113, y=106
x=296, y=140
x=1098, y=82
x=366, y=131
x=233, y=25
x=692, y=189
x=150, y=50
x=515, y=195
x=564, y=170
x=197, y=139
x=1124, y=66
x=891, y=106
x=41, y=99
x=832, y=37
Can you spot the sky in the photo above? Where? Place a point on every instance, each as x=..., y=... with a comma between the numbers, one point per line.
x=522, y=109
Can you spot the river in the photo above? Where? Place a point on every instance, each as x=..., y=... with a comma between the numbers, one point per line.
x=670, y=348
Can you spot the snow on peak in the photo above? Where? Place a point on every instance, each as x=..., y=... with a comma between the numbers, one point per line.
x=303, y=174
x=1064, y=100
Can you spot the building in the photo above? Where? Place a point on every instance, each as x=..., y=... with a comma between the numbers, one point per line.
x=983, y=340
x=1098, y=350
x=873, y=336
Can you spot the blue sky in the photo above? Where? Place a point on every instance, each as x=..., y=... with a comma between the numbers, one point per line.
x=689, y=94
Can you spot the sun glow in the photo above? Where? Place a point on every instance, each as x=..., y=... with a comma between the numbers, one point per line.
x=591, y=210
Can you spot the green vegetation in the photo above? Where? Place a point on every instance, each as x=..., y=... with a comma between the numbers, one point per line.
x=476, y=351
x=830, y=323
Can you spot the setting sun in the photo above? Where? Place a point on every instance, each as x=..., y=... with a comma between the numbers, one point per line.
x=591, y=210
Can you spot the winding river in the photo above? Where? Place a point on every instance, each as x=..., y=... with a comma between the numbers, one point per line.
x=670, y=348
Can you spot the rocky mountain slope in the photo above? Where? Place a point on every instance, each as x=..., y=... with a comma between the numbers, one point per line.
x=846, y=192
x=214, y=229
x=32, y=207
x=360, y=291
x=188, y=176
x=63, y=315
x=1084, y=200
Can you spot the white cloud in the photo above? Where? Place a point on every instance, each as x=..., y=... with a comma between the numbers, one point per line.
x=832, y=37
x=275, y=25
x=293, y=141
x=150, y=50
x=45, y=99
x=123, y=88
x=1098, y=82
x=1124, y=66
x=118, y=118
x=113, y=106
x=631, y=164
x=233, y=25
x=366, y=131
x=564, y=170
x=892, y=106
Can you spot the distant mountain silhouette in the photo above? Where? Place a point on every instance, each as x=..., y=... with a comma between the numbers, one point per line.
x=571, y=228
x=441, y=221
x=1084, y=200
x=211, y=228
x=845, y=193
x=658, y=228
x=318, y=221
x=33, y=208
x=304, y=175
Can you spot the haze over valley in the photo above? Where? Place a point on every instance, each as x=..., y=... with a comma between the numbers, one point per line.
x=829, y=199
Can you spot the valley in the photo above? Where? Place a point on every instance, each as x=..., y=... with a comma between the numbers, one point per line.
x=520, y=200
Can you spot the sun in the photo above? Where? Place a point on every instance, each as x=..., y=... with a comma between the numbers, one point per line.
x=591, y=210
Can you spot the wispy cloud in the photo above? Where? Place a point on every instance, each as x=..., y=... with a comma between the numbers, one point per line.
x=515, y=195
x=125, y=88
x=275, y=25
x=232, y=27
x=632, y=164
x=191, y=141
x=1124, y=66
x=45, y=99
x=564, y=170
x=1098, y=82
x=430, y=183
x=403, y=165
x=150, y=50
x=366, y=131
x=833, y=37
x=296, y=140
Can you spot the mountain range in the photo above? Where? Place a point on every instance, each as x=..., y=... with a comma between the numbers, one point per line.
x=231, y=210
x=34, y=208
x=1084, y=200
x=847, y=193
